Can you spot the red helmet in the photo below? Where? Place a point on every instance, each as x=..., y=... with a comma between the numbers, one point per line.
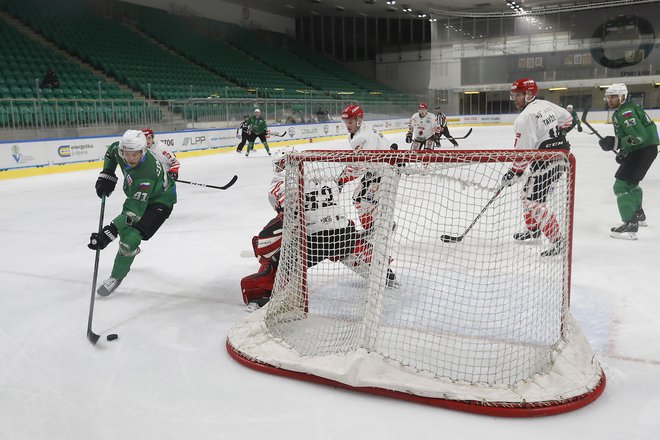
x=352, y=112
x=423, y=105
x=148, y=132
x=525, y=85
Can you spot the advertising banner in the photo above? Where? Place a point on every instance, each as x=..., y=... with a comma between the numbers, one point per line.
x=23, y=154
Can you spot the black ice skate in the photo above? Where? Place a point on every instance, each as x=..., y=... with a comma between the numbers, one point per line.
x=527, y=235
x=641, y=217
x=627, y=231
x=391, y=281
x=556, y=249
x=108, y=286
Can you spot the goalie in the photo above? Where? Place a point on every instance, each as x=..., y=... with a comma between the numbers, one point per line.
x=329, y=235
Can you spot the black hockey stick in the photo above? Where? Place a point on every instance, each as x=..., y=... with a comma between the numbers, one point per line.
x=462, y=137
x=457, y=239
x=585, y=122
x=228, y=185
x=279, y=135
x=91, y=336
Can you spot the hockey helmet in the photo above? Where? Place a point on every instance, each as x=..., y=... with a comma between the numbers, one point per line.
x=617, y=89
x=352, y=112
x=132, y=141
x=526, y=86
x=423, y=105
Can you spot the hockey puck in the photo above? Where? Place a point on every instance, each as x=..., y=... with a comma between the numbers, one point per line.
x=112, y=337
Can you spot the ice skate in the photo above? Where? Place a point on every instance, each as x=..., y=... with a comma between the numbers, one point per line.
x=108, y=286
x=527, y=235
x=627, y=231
x=641, y=217
x=556, y=249
x=256, y=304
x=391, y=281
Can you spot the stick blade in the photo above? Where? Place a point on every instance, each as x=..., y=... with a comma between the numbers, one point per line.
x=451, y=238
x=92, y=337
x=231, y=182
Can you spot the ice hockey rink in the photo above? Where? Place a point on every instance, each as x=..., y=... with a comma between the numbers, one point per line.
x=169, y=376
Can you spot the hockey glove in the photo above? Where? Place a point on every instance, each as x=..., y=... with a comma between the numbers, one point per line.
x=607, y=143
x=174, y=175
x=511, y=177
x=105, y=184
x=580, y=128
x=409, y=137
x=108, y=234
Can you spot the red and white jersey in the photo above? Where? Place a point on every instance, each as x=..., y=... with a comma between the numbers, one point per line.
x=540, y=121
x=368, y=138
x=322, y=212
x=538, y=126
x=422, y=128
x=276, y=192
x=167, y=159
x=321, y=209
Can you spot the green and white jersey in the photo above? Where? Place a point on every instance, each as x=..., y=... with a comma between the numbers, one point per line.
x=257, y=125
x=144, y=185
x=633, y=128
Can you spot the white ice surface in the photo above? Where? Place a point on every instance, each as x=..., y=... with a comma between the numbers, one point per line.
x=168, y=376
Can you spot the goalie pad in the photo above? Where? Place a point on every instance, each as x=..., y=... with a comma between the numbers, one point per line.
x=256, y=288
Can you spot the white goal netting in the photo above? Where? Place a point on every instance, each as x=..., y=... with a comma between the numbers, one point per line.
x=399, y=271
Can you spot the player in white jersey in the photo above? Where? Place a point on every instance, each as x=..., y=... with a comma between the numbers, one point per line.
x=540, y=125
x=423, y=130
x=166, y=158
x=362, y=137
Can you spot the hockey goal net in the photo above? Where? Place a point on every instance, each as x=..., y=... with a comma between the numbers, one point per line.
x=481, y=323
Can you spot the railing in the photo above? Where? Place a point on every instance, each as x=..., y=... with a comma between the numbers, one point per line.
x=39, y=118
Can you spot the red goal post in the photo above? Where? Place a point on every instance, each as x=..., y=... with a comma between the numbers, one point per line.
x=481, y=325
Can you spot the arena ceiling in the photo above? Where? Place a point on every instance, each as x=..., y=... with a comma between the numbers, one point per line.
x=425, y=8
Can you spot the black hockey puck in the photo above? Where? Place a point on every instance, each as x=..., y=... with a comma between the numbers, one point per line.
x=112, y=337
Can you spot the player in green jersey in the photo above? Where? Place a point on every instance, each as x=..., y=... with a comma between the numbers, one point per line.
x=636, y=145
x=150, y=196
x=576, y=120
x=257, y=129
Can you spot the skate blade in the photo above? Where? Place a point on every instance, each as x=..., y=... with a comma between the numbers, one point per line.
x=252, y=307
x=624, y=235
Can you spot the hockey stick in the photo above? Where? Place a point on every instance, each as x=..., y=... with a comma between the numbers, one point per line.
x=228, y=185
x=278, y=134
x=457, y=239
x=463, y=137
x=91, y=336
x=585, y=122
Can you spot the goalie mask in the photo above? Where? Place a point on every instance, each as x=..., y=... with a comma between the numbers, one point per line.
x=279, y=161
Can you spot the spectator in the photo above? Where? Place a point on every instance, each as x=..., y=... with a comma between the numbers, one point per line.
x=50, y=80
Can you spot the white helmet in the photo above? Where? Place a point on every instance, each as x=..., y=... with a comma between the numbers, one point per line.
x=569, y=107
x=256, y=110
x=133, y=140
x=618, y=89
